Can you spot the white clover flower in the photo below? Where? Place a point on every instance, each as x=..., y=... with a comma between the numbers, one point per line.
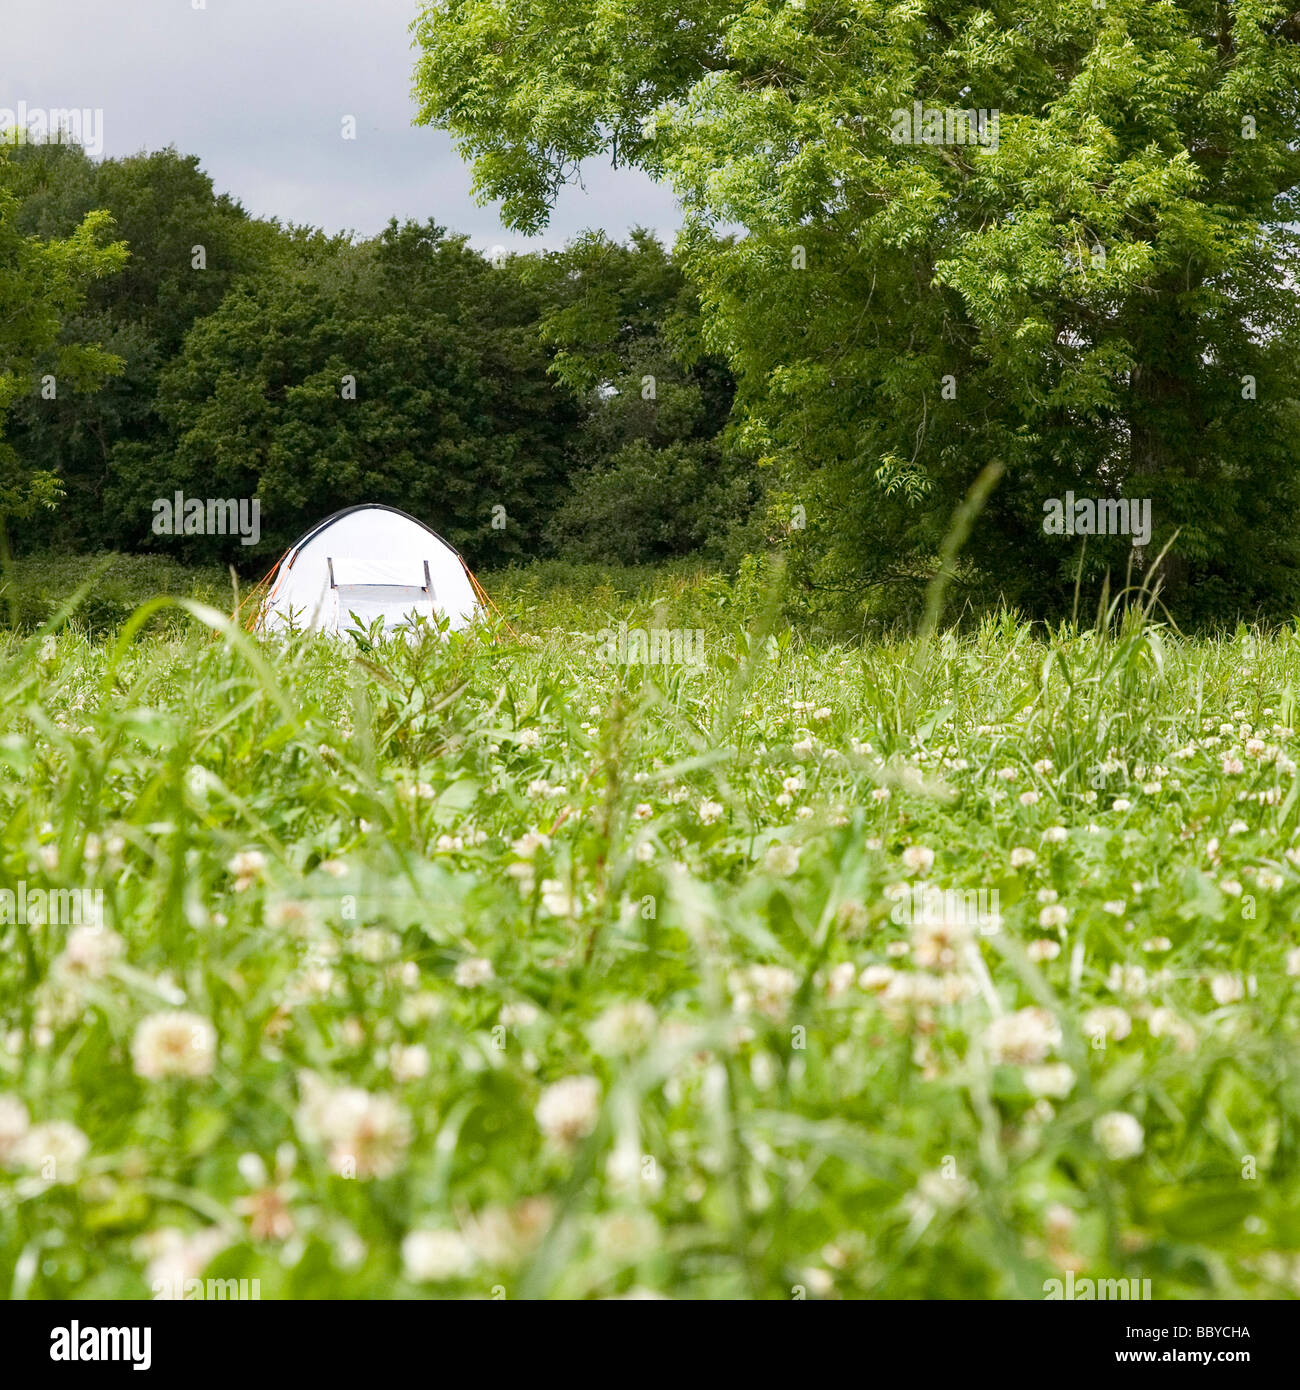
x=1020, y=857
x=918, y=859
x=89, y=952
x=1107, y=1022
x=527, y=845
x=1293, y=961
x=175, y=1258
x=1226, y=988
x=54, y=1150
x=365, y=1135
x=1030, y=798
x=875, y=979
x=1165, y=1023
x=1007, y=774
x=1121, y=804
x=13, y=1125
x=472, y=973
x=624, y=1028
x=174, y=1044
x=880, y=794
x=782, y=859
x=568, y=1109
x=408, y=1063
x=528, y=738
x=1022, y=1038
x=248, y=864
x=840, y=979
x=1043, y=950
x=767, y=988
x=1128, y=979
x=711, y=812
x=1119, y=1134
x=1054, y=1080
x=1054, y=915
x=433, y=1256
x=556, y=899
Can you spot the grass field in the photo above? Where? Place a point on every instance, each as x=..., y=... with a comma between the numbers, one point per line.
x=495, y=967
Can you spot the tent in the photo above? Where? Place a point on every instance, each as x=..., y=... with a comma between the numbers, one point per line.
x=373, y=561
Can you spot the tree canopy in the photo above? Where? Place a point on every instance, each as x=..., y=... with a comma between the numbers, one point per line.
x=1100, y=294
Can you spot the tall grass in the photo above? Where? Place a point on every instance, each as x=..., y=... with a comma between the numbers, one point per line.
x=412, y=887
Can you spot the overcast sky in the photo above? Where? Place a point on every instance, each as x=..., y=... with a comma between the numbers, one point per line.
x=258, y=90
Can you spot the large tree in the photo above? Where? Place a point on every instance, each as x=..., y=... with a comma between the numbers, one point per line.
x=1103, y=299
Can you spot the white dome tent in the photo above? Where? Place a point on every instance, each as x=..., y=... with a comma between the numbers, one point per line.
x=372, y=561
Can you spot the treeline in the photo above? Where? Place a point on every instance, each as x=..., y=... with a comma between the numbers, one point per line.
x=551, y=403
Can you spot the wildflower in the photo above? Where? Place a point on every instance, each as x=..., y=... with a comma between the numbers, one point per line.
x=568, y=1109
x=1020, y=857
x=1227, y=989
x=880, y=794
x=1007, y=774
x=1056, y=834
x=246, y=866
x=473, y=972
x=624, y=1028
x=877, y=978
x=1052, y=1079
x=408, y=1063
x=13, y=1125
x=782, y=859
x=528, y=738
x=1043, y=950
x=1030, y=798
x=176, y=1258
x=267, y=1206
x=1165, y=1023
x=433, y=1256
x=1119, y=1134
x=1127, y=979
x=365, y=1135
x=1054, y=915
x=1024, y=1037
x=89, y=952
x=54, y=1150
x=1121, y=804
x=711, y=812
x=767, y=988
x=918, y=859
x=1105, y=1023
x=174, y=1044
